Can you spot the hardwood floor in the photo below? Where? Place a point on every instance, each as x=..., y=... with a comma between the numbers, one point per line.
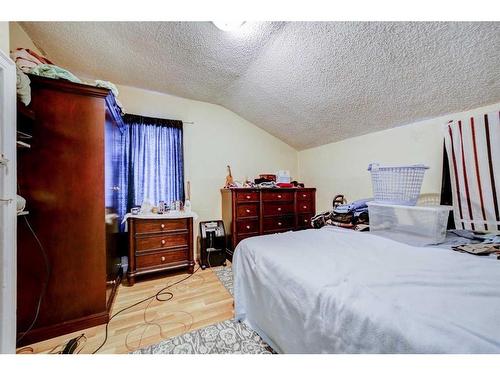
x=198, y=301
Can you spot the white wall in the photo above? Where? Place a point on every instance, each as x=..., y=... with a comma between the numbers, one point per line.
x=4, y=37
x=217, y=138
x=341, y=167
x=19, y=38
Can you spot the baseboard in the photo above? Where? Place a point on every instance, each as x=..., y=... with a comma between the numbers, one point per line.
x=45, y=333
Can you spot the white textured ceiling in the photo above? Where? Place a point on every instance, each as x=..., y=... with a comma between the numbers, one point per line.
x=307, y=83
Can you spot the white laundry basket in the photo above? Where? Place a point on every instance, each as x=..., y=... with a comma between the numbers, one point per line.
x=398, y=184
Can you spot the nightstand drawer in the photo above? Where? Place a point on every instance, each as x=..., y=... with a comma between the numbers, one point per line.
x=159, y=225
x=161, y=258
x=247, y=210
x=161, y=241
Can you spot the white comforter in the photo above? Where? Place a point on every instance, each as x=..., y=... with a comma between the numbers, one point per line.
x=338, y=291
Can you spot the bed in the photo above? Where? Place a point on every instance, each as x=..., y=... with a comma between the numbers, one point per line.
x=332, y=290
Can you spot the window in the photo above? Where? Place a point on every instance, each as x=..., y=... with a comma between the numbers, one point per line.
x=152, y=165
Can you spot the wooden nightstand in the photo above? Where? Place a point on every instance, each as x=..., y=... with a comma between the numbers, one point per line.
x=159, y=244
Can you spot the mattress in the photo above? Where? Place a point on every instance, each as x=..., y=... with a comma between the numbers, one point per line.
x=331, y=290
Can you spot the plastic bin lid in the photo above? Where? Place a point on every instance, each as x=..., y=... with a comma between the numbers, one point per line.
x=423, y=208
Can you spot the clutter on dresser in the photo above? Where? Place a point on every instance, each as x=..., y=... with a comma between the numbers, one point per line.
x=283, y=177
x=187, y=202
x=229, y=178
x=280, y=179
x=268, y=177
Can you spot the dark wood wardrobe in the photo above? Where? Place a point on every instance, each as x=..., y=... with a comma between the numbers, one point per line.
x=70, y=182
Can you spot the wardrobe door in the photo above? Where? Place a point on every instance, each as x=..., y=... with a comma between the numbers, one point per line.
x=111, y=189
x=62, y=178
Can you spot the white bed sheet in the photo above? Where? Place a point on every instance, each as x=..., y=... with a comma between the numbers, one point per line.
x=338, y=291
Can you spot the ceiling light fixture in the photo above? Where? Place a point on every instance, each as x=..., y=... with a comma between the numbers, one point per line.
x=228, y=26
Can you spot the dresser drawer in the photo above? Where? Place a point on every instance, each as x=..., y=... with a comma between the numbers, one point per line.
x=247, y=196
x=247, y=226
x=304, y=221
x=161, y=241
x=305, y=207
x=278, y=223
x=305, y=195
x=247, y=210
x=271, y=208
x=277, y=196
x=159, y=225
x=161, y=258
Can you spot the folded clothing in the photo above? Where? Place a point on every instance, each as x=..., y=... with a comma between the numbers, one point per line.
x=23, y=88
x=55, y=72
x=356, y=206
x=26, y=59
x=110, y=86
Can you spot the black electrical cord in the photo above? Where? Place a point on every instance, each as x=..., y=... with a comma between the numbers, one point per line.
x=45, y=284
x=158, y=296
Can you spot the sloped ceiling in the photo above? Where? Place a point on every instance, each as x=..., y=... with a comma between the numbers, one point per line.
x=307, y=83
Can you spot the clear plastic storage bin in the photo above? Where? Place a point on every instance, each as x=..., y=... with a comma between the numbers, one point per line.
x=414, y=225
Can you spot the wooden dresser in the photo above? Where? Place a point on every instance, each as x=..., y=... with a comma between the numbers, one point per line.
x=159, y=245
x=252, y=212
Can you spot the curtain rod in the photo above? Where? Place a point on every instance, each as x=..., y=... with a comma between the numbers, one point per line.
x=155, y=118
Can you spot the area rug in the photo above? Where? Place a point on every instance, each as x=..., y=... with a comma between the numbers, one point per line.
x=226, y=337
x=225, y=275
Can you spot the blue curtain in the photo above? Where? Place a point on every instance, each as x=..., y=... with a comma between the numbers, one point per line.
x=152, y=165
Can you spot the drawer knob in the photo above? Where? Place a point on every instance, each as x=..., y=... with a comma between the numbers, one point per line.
x=162, y=226
x=279, y=223
x=279, y=208
x=305, y=220
x=305, y=206
x=162, y=259
x=163, y=242
x=248, y=226
x=279, y=196
x=303, y=195
x=248, y=196
x=248, y=211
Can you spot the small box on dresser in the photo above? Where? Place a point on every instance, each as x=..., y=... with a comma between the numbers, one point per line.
x=252, y=212
x=159, y=245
